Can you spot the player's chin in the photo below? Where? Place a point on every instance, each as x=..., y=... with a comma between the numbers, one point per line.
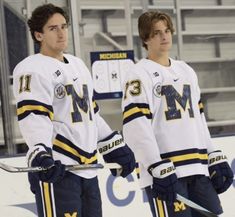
x=165, y=48
x=62, y=47
x=62, y=44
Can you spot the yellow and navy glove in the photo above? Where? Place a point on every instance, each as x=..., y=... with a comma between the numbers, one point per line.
x=41, y=157
x=221, y=174
x=164, y=180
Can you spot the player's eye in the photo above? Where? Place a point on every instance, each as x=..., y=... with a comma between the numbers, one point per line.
x=53, y=28
x=168, y=31
x=64, y=26
x=156, y=32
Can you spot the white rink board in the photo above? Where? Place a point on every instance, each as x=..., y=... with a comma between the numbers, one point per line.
x=120, y=197
x=16, y=200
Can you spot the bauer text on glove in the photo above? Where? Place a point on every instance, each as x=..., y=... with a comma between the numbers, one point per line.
x=114, y=150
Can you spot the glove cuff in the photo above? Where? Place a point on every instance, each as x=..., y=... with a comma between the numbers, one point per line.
x=111, y=143
x=162, y=169
x=216, y=157
x=34, y=151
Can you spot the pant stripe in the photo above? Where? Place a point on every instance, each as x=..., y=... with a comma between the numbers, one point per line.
x=161, y=208
x=47, y=199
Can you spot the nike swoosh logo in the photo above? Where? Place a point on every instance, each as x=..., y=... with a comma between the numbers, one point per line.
x=74, y=79
x=175, y=79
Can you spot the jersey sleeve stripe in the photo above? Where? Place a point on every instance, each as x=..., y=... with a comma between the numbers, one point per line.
x=96, y=107
x=26, y=107
x=136, y=110
x=137, y=170
x=67, y=148
x=185, y=157
x=110, y=136
x=201, y=107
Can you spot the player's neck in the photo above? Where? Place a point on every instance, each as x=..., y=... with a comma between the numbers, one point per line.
x=160, y=59
x=57, y=55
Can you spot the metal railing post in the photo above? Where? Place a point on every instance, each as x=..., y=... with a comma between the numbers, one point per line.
x=75, y=21
x=128, y=13
x=179, y=29
x=4, y=86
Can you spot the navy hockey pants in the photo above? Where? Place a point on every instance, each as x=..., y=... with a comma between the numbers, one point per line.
x=73, y=196
x=196, y=188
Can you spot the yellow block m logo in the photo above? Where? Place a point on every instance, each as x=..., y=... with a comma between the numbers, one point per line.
x=75, y=214
x=179, y=206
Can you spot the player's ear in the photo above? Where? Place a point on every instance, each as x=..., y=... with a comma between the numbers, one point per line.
x=38, y=36
x=145, y=43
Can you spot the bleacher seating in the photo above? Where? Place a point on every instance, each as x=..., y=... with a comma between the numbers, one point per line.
x=207, y=31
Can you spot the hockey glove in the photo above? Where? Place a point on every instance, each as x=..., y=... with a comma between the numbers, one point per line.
x=221, y=174
x=41, y=157
x=164, y=180
x=114, y=150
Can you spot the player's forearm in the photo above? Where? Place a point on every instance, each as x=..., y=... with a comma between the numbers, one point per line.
x=139, y=135
x=104, y=129
x=36, y=129
x=207, y=136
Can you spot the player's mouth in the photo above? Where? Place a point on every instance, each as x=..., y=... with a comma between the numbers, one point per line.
x=61, y=41
x=164, y=43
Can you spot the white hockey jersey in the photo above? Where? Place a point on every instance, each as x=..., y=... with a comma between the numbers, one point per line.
x=163, y=118
x=55, y=107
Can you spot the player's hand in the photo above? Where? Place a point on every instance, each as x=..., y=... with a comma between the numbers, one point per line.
x=221, y=174
x=164, y=180
x=124, y=157
x=42, y=158
x=114, y=150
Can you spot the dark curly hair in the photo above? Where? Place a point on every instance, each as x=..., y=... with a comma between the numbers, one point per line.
x=146, y=22
x=41, y=15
